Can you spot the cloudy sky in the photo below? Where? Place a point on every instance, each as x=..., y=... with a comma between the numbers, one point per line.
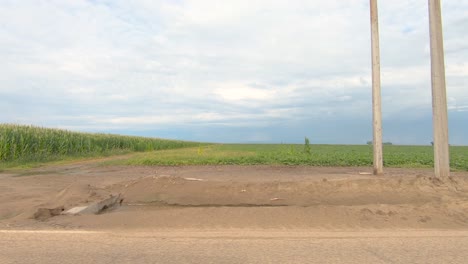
x=228, y=71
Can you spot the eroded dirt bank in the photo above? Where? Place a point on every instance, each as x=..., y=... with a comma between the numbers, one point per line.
x=237, y=197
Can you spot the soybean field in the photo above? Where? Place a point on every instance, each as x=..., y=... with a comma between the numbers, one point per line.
x=308, y=154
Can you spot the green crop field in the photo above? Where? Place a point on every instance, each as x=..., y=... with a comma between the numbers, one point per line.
x=29, y=143
x=314, y=155
x=25, y=144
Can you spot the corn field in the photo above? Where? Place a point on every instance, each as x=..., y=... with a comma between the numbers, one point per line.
x=19, y=142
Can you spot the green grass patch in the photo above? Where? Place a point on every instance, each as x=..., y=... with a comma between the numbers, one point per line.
x=280, y=154
x=26, y=164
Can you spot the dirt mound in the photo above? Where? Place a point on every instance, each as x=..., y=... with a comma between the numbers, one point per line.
x=45, y=213
x=27, y=205
x=237, y=197
x=192, y=192
x=78, y=194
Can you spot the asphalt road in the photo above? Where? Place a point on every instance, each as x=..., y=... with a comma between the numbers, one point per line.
x=233, y=246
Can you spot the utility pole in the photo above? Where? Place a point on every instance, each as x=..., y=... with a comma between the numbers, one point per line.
x=376, y=94
x=439, y=94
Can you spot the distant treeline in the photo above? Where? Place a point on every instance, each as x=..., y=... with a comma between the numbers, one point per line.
x=385, y=143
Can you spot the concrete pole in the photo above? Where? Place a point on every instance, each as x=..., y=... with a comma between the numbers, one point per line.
x=376, y=95
x=439, y=94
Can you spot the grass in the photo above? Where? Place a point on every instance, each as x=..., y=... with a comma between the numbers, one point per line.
x=24, y=145
x=314, y=155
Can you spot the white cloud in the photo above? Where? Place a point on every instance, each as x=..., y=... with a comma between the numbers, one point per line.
x=239, y=92
x=457, y=70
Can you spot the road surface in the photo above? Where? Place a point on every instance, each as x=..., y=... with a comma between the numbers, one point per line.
x=233, y=246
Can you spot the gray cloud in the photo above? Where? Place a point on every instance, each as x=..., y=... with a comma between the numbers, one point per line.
x=242, y=68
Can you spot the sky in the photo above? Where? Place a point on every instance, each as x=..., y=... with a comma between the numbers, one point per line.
x=233, y=71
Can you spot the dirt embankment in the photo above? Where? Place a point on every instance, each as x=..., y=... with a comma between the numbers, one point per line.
x=238, y=197
x=177, y=191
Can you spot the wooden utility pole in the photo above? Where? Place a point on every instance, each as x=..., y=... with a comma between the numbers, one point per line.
x=439, y=94
x=376, y=95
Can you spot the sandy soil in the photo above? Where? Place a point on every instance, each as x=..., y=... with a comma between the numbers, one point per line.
x=255, y=197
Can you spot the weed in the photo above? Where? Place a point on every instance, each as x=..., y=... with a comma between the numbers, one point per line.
x=307, y=148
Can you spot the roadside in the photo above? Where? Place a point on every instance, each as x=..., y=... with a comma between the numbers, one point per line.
x=235, y=197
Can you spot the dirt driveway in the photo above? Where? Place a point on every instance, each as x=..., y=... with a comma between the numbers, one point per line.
x=254, y=197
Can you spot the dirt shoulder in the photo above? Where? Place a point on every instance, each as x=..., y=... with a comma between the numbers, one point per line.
x=220, y=197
